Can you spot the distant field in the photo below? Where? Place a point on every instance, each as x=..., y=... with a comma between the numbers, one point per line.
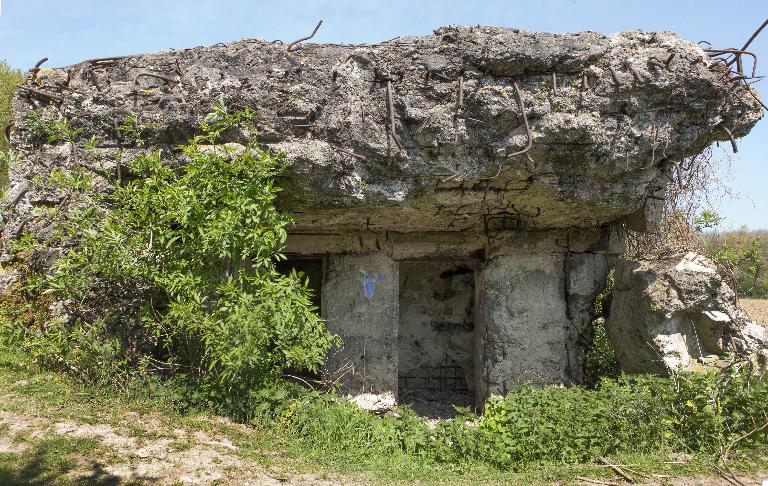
x=757, y=309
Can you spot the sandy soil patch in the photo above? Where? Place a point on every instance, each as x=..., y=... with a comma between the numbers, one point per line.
x=757, y=309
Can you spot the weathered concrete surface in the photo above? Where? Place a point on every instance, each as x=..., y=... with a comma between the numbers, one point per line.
x=678, y=312
x=598, y=147
x=535, y=296
x=360, y=304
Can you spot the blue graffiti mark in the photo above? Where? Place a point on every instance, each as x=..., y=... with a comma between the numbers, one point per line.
x=381, y=277
x=369, y=284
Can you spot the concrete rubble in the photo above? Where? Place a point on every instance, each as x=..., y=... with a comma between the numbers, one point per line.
x=458, y=196
x=678, y=313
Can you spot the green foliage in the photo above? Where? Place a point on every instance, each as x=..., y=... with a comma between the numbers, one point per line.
x=192, y=249
x=133, y=130
x=690, y=412
x=600, y=359
x=9, y=81
x=745, y=254
x=48, y=129
x=706, y=219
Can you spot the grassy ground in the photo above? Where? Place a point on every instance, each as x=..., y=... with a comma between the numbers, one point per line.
x=55, y=432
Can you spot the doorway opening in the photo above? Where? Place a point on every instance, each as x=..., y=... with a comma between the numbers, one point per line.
x=436, y=336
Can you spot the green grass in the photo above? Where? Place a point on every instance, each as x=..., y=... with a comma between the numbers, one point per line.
x=58, y=460
x=50, y=461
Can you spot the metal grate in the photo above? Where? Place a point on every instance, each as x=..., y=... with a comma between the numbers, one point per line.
x=435, y=378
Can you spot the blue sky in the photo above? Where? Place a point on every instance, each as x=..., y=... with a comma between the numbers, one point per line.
x=68, y=31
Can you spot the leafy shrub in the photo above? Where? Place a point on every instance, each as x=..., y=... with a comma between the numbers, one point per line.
x=742, y=253
x=748, y=265
x=690, y=412
x=175, y=273
x=600, y=360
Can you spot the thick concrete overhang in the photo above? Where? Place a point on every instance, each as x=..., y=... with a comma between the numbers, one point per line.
x=470, y=129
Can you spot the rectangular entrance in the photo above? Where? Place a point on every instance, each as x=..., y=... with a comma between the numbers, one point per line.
x=436, y=335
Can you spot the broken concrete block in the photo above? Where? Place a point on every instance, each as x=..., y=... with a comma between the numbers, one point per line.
x=678, y=313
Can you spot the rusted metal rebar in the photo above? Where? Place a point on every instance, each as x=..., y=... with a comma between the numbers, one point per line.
x=346, y=152
x=679, y=175
x=614, y=76
x=460, y=101
x=737, y=58
x=118, y=162
x=99, y=60
x=733, y=140
x=42, y=93
x=754, y=35
x=92, y=75
x=554, y=83
x=302, y=39
x=33, y=72
x=149, y=74
x=521, y=104
x=391, y=110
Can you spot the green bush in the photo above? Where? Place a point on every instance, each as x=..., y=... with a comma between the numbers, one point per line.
x=744, y=254
x=600, y=359
x=175, y=273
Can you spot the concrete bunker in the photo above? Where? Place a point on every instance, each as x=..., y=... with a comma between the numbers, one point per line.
x=435, y=319
x=518, y=155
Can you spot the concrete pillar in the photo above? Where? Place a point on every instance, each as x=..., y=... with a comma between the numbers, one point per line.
x=360, y=303
x=534, y=302
x=522, y=323
x=586, y=275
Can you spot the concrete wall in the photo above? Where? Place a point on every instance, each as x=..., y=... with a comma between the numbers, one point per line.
x=360, y=304
x=522, y=325
x=436, y=339
x=404, y=306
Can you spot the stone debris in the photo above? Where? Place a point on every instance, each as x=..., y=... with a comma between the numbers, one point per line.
x=678, y=312
x=372, y=402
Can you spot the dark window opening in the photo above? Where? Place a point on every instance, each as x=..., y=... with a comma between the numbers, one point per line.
x=312, y=269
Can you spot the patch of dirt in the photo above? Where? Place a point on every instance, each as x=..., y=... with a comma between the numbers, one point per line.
x=162, y=456
x=757, y=309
